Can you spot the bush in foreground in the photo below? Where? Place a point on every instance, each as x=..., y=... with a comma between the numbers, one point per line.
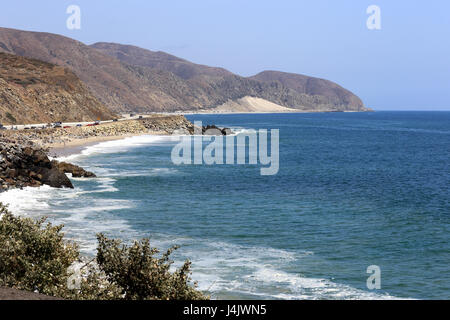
x=35, y=257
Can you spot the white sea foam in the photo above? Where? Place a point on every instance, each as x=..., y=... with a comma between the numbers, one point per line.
x=20, y=201
x=147, y=172
x=266, y=281
x=232, y=271
x=118, y=146
x=95, y=216
x=300, y=287
x=104, y=185
x=83, y=215
x=238, y=130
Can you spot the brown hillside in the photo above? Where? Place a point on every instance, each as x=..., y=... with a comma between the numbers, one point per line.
x=128, y=78
x=219, y=85
x=32, y=91
x=311, y=86
x=118, y=86
x=158, y=60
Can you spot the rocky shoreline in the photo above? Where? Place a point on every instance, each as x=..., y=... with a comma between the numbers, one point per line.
x=24, y=155
x=25, y=166
x=52, y=137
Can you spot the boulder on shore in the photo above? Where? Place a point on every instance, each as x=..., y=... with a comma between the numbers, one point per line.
x=213, y=130
x=28, y=167
x=76, y=171
x=54, y=178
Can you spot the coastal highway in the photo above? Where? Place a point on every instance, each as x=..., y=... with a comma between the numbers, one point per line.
x=72, y=124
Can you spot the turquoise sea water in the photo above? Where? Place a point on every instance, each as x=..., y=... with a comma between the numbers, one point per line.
x=353, y=190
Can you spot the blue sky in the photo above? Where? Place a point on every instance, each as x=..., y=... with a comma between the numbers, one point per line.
x=403, y=66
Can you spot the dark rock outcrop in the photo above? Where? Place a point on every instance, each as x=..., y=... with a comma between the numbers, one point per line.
x=54, y=178
x=213, y=130
x=227, y=131
x=76, y=171
x=28, y=167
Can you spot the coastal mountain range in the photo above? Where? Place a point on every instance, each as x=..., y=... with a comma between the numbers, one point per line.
x=126, y=78
x=33, y=91
x=216, y=86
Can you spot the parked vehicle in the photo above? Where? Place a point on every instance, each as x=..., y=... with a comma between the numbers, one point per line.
x=79, y=125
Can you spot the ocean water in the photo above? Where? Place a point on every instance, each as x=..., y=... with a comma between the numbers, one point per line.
x=353, y=190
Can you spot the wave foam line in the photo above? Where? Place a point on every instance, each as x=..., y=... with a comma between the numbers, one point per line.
x=118, y=146
x=232, y=271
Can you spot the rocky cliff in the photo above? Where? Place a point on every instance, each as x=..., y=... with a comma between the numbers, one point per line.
x=32, y=91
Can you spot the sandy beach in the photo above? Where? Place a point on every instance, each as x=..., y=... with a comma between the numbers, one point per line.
x=64, y=149
x=27, y=154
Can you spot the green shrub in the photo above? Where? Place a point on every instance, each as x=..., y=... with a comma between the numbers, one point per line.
x=140, y=275
x=34, y=256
